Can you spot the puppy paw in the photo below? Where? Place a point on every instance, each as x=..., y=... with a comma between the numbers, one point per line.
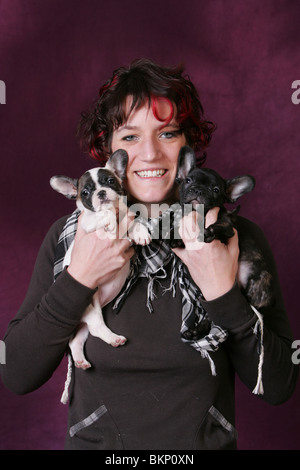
x=209, y=234
x=82, y=364
x=143, y=240
x=110, y=227
x=118, y=341
x=176, y=243
x=107, y=221
x=139, y=234
x=199, y=331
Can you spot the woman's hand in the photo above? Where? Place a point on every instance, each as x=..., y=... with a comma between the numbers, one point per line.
x=97, y=257
x=213, y=266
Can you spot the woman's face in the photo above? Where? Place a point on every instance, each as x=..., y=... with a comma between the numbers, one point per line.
x=153, y=152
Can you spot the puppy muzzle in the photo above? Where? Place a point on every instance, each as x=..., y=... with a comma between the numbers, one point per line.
x=195, y=196
x=102, y=195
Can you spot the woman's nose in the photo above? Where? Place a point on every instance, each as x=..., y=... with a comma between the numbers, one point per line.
x=150, y=150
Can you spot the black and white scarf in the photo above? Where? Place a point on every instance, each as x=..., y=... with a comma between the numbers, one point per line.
x=151, y=261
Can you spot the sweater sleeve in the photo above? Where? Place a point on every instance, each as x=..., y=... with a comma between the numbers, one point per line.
x=37, y=338
x=233, y=312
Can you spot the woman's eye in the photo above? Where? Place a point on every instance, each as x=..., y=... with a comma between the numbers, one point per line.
x=168, y=135
x=129, y=138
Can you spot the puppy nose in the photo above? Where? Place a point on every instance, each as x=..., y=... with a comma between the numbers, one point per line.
x=198, y=192
x=102, y=194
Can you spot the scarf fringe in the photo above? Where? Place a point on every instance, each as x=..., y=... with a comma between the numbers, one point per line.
x=205, y=354
x=172, y=286
x=258, y=330
x=150, y=293
x=65, y=396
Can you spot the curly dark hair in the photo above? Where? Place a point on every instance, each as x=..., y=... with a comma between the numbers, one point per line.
x=144, y=81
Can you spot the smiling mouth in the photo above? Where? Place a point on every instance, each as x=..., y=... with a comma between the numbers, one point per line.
x=151, y=173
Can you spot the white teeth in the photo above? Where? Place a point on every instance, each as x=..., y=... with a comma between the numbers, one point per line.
x=151, y=173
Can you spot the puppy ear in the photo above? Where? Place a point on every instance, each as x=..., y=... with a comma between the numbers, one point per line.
x=117, y=163
x=186, y=162
x=65, y=185
x=237, y=187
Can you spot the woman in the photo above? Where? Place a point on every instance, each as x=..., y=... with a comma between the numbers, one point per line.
x=156, y=392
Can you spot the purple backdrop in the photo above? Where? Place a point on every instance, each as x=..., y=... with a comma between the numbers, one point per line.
x=243, y=58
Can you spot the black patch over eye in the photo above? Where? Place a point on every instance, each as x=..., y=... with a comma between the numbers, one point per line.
x=111, y=181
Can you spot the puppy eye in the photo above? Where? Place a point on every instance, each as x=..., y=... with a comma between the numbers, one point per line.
x=216, y=189
x=85, y=192
x=111, y=180
x=188, y=180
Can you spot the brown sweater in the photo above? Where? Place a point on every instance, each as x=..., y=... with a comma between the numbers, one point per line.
x=156, y=392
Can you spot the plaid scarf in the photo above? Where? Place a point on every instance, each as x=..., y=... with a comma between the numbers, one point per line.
x=151, y=261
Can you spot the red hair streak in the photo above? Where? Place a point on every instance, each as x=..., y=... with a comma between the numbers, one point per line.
x=93, y=150
x=108, y=85
x=154, y=100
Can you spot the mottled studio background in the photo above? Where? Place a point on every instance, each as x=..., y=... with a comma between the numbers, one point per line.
x=243, y=57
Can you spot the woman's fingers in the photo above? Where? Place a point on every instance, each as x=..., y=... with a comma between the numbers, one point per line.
x=190, y=228
x=211, y=216
x=98, y=256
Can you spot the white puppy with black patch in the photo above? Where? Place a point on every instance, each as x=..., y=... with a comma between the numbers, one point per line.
x=99, y=195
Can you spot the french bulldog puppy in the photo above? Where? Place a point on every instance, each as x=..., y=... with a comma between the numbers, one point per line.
x=99, y=195
x=207, y=187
